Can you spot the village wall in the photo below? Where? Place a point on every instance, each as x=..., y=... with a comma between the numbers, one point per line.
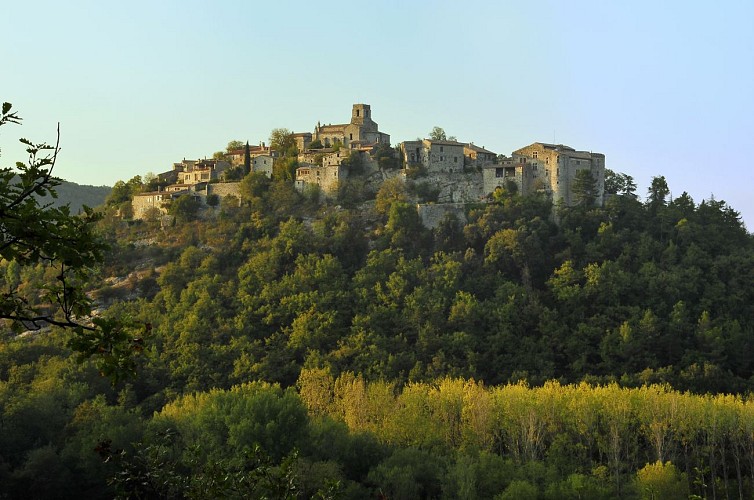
x=455, y=187
x=223, y=189
x=433, y=213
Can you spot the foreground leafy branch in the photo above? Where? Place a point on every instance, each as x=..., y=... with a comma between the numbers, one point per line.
x=32, y=233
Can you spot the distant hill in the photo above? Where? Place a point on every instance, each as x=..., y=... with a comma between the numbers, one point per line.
x=78, y=195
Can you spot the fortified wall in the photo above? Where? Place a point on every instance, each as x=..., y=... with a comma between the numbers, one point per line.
x=432, y=214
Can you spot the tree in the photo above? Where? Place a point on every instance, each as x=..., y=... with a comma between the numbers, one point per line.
x=584, y=188
x=185, y=208
x=281, y=140
x=254, y=185
x=438, y=134
x=619, y=184
x=386, y=156
x=234, y=146
x=657, y=192
x=392, y=190
x=32, y=234
x=246, y=159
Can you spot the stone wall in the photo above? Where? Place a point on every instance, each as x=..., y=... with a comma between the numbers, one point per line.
x=223, y=189
x=458, y=187
x=432, y=214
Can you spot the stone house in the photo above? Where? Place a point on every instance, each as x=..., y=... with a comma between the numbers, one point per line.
x=523, y=175
x=236, y=156
x=553, y=167
x=302, y=140
x=262, y=163
x=478, y=156
x=435, y=156
x=548, y=168
x=327, y=177
x=160, y=200
x=142, y=202
x=195, y=171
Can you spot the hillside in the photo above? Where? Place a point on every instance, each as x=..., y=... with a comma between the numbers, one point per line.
x=358, y=353
x=77, y=195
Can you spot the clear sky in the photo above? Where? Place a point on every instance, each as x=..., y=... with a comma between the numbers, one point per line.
x=661, y=88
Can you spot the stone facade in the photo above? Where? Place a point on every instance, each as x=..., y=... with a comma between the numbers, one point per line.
x=236, y=156
x=262, y=163
x=326, y=177
x=433, y=213
x=526, y=176
x=302, y=139
x=223, y=189
x=455, y=187
x=196, y=171
x=361, y=130
x=141, y=203
x=553, y=167
x=435, y=156
x=478, y=156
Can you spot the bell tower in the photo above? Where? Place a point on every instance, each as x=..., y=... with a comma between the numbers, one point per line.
x=361, y=113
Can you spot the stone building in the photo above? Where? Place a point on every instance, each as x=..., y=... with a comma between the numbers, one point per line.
x=548, y=168
x=478, y=156
x=435, y=156
x=196, y=171
x=262, y=163
x=327, y=177
x=143, y=202
x=302, y=140
x=236, y=156
x=554, y=167
x=160, y=200
x=361, y=130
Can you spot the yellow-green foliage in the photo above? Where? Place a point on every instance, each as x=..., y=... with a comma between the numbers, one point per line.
x=614, y=427
x=237, y=419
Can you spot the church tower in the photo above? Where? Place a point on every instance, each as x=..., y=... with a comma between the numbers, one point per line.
x=360, y=113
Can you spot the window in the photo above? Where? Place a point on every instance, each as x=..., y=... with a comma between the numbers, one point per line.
x=350, y=137
x=412, y=156
x=578, y=162
x=442, y=158
x=455, y=159
x=499, y=172
x=441, y=149
x=534, y=155
x=510, y=171
x=357, y=112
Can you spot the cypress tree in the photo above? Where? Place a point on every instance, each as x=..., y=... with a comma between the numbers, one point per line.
x=246, y=159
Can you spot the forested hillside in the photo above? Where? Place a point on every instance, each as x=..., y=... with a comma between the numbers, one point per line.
x=77, y=195
x=347, y=351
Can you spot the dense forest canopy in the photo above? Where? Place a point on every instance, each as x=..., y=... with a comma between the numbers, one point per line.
x=347, y=351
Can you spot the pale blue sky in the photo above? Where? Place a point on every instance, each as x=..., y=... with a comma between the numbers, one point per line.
x=661, y=88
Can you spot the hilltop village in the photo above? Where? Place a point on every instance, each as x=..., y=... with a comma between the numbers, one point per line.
x=458, y=173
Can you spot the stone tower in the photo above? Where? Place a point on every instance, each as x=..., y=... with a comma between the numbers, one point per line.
x=360, y=113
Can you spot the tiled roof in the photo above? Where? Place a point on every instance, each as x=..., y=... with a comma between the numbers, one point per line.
x=478, y=149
